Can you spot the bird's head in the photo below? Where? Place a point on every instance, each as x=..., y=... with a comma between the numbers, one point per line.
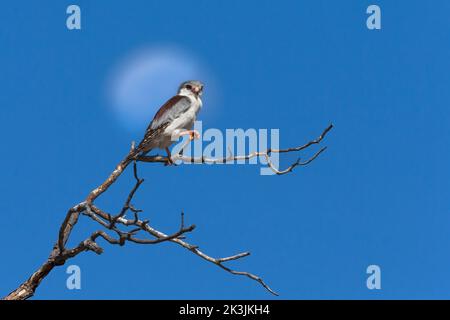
x=191, y=87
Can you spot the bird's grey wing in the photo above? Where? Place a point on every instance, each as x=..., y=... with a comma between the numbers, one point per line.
x=172, y=109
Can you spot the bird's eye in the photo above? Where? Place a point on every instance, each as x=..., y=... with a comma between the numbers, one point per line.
x=189, y=87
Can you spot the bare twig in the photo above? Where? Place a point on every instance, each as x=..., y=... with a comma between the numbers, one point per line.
x=127, y=204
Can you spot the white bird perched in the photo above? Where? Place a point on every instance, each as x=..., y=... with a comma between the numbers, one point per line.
x=174, y=119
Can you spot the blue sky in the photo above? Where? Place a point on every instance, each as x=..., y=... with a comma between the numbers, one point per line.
x=379, y=195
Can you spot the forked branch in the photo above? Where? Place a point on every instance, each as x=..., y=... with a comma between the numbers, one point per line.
x=232, y=158
x=122, y=229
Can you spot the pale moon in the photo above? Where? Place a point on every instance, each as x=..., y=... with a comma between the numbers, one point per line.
x=142, y=81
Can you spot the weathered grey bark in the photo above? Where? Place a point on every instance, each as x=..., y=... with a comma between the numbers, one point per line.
x=60, y=253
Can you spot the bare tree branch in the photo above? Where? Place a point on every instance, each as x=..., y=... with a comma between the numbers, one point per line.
x=127, y=229
x=232, y=158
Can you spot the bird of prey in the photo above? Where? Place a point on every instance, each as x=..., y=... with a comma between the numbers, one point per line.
x=174, y=119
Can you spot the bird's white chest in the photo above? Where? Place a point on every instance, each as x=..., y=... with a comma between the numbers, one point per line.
x=187, y=119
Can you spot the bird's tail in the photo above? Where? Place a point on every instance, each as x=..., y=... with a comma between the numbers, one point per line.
x=136, y=152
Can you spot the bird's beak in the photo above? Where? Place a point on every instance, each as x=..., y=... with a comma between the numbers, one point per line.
x=197, y=90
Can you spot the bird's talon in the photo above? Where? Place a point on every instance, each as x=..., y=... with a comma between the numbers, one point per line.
x=194, y=135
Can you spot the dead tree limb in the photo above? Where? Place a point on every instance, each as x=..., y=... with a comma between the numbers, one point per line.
x=231, y=158
x=137, y=230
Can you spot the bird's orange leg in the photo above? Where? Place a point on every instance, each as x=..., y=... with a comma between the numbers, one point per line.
x=193, y=134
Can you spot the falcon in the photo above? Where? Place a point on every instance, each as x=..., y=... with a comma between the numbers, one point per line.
x=174, y=119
